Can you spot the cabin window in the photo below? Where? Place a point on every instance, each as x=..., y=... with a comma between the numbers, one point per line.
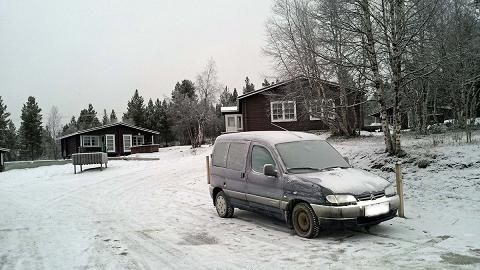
x=90, y=141
x=283, y=111
x=137, y=140
x=231, y=121
x=127, y=142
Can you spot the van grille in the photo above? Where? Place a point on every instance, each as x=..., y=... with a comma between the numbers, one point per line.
x=370, y=196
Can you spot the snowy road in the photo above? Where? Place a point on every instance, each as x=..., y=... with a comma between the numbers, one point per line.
x=159, y=215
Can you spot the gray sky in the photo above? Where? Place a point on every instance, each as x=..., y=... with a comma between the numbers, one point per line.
x=71, y=53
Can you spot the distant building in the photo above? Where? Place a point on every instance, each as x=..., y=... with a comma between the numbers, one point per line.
x=115, y=139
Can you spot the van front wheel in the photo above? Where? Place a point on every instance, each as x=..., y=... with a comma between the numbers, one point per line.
x=305, y=221
x=223, y=206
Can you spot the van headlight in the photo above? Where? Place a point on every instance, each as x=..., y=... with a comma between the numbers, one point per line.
x=341, y=199
x=390, y=190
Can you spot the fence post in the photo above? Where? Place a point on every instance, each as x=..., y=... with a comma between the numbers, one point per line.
x=207, y=160
x=399, y=180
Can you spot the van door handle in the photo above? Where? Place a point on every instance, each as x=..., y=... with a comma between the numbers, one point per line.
x=242, y=175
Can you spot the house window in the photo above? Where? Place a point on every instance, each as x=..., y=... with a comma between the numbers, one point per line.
x=137, y=140
x=283, y=111
x=110, y=142
x=90, y=141
x=127, y=142
x=231, y=121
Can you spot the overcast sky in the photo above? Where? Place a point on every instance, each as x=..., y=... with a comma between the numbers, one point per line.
x=71, y=53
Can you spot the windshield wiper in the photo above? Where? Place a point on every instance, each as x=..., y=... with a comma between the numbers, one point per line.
x=303, y=168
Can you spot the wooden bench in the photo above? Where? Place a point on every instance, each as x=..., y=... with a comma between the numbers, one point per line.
x=88, y=159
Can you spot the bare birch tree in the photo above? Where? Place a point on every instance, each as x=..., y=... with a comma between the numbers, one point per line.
x=54, y=127
x=207, y=88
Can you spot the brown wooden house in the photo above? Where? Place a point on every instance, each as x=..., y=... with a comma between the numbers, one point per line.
x=116, y=139
x=273, y=108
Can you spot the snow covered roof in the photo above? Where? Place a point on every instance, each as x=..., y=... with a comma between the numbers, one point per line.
x=229, y=109
x=275, y=85
x=269, y=137
x=4, y=149
x=107, y=126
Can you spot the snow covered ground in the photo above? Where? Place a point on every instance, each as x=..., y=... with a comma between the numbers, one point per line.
x=159, y=215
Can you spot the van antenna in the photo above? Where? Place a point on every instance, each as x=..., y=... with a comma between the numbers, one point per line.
x=275, y=125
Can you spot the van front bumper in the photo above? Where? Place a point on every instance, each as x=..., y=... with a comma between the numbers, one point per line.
x=355, y=214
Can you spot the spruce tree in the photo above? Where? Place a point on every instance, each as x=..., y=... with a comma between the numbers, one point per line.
x=135, y=110
x=70, y=127
x=11, y=141
x=266, y=83
x=234, y=96
x=3, y=123
x=165, y=125
x=249, y=87
x=105, y=119
x=113, y=117
x=225, y=97
x=150, y=120
x=31, y=129
x=88, y=118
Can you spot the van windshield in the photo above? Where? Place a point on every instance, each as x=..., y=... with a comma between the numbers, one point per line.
x=307, y=156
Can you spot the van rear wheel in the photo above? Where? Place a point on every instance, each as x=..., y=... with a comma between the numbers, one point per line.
x=305, y=221
x=223, y=206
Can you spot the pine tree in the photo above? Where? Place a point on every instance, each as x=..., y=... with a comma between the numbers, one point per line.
x=249, y=87
x=265, y=83
x=150, y=121
x=186, y=88
x=11, y=141
x=70, y=127
x=234, y=96
x=135, y=110
x=3, y=123
x=113, y=117
x=88, y=118
x=225, y=97
x=31, y=129
x=165, y=125
x=105, y=119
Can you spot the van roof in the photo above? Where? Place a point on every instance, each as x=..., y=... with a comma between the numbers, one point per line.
x=269, y=137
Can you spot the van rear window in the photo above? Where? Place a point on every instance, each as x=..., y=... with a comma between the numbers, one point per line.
x=236, y=156
x=220, y=154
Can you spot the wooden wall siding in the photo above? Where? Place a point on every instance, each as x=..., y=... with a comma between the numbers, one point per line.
x=71, y=144
x=256, y=112
x=256, y=116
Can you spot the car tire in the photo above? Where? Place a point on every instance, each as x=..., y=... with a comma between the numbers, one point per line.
x=223, y=206
x=305, y=221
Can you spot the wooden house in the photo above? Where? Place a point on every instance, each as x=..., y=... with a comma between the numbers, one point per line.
x=115, y=139
x=274, y=107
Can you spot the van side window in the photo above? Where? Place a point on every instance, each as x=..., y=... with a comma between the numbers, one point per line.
x=260, y=157
x=236, y=156
x=220, y=155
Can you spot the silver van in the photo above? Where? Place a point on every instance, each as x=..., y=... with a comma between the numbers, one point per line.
x=297, y=177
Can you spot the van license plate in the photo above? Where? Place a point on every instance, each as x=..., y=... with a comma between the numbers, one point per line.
x=377, y=209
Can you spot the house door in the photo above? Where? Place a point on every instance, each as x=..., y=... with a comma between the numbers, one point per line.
x=110, y=143
x=233, y=122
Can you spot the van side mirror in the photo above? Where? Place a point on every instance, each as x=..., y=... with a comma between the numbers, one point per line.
x=269, y=170
x=346, y=159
